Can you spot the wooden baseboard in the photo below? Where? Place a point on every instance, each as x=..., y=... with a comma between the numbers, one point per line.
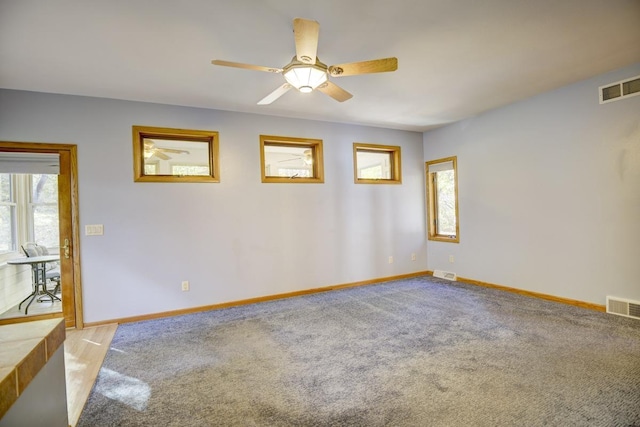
x=547, y=297
x=253, y=300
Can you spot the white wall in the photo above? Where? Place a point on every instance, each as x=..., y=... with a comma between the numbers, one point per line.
x=233, y=240
x=15, y=285
x=549, y=194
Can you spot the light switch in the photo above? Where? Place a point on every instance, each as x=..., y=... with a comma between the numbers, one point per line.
x=94, y=230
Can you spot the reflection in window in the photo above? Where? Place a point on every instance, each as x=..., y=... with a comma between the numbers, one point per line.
x=182, y=170
x=151, y=169
x=285, y=159
x=371, y=172
x=291, y=172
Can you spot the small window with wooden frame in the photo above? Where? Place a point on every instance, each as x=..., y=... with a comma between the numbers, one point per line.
x=442, y=200
x=175, y=155
x=291, y=160
x=376, y=164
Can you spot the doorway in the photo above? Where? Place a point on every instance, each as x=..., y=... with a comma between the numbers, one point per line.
x=71, y=288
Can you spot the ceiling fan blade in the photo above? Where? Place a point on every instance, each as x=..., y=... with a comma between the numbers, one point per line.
x=306, y=34
x=335, y=91
x=246, y=66
x=275, y=94
x=364, y=67
x=160, y=155
x=173, y=150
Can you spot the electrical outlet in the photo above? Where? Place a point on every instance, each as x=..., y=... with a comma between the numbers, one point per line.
x=451, y=258
x=390, y=260
x=413, y=257
x=185, y=285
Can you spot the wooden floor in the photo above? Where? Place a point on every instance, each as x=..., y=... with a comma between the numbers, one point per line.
x=35, y=308
x=84, y=352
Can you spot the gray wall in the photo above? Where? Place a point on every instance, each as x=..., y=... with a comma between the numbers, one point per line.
x=549, y=193
x=44, y=401
x=233, y=240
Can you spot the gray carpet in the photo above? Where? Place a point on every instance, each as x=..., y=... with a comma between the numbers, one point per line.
x=416, y=352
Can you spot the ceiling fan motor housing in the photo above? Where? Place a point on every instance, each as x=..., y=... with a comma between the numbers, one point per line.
x=305, y=77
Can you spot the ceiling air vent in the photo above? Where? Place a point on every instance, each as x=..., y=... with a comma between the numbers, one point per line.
x=623, y=307
x=619, y=90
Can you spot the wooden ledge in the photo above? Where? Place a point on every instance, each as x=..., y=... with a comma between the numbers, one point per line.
x=24, y=350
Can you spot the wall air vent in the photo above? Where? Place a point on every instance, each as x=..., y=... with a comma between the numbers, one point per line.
x=619, y=90
x=623, y=307
x=444, y=275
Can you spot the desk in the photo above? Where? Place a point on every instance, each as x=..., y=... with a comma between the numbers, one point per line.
x=39, y=275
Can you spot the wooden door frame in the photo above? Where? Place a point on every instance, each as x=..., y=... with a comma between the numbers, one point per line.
x=69, y=227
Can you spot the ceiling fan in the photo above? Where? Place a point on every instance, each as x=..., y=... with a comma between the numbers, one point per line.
x=306, y=157
x=306, y=73
x=151, y=150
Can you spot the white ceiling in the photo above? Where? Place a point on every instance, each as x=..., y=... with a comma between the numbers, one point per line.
x=456, y=58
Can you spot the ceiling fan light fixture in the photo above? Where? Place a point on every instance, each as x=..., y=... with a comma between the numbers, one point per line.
x=304, y=77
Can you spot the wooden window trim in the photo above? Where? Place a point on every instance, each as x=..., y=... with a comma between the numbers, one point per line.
x=432, y=202
x=317, y=167
x=210, y=137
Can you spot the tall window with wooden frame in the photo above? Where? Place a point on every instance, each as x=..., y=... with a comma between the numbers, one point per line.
x=442, y=200
x=376, y=164
x=291, y=160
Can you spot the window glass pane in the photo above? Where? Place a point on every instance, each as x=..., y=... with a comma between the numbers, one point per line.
x=189, y=170
x=160, y=152
x=150, y=169
x=45, y=225
x=44, y=210
x=374, y=165
x=371, y=172
x=7, y=236
x=5, y=187
x=289, y=161
x=446, y=203
x=292, y=172
x=44, y=188
x=7, y=215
